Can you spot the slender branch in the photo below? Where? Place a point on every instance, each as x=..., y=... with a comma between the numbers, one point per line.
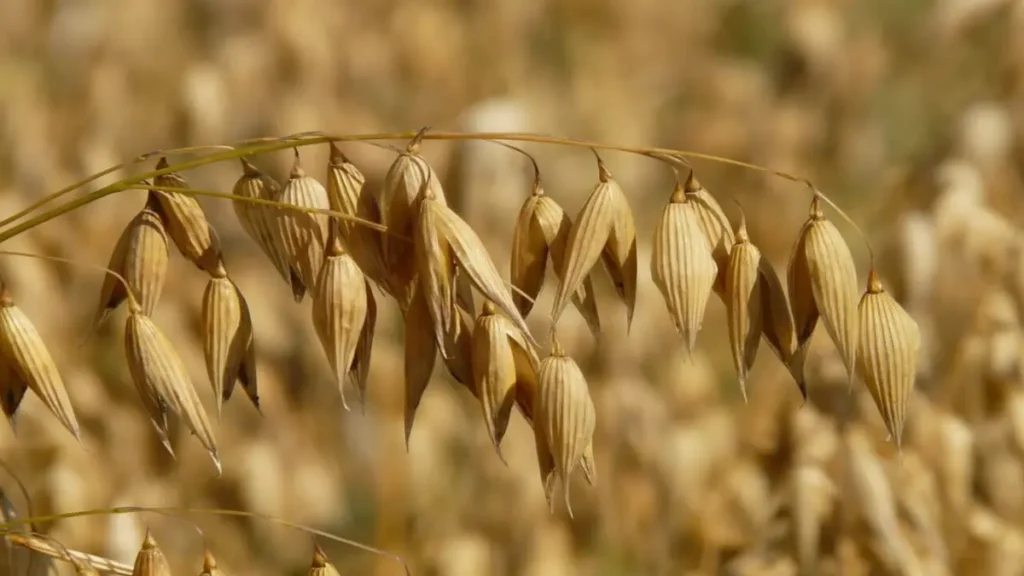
x=52, y=548
x=132, y=303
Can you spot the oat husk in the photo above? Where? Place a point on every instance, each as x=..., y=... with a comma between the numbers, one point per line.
x=259, y=221
x=140, y=257
x=302, y=235
x=12, y=391
x=162, y=379
x=150, y=561
x=210, y=565
x=344, y=190
x=714, y=224
x=743, y=298
x=541, y=233
x=320, y=565
x=777, y=324
x=228, y=342
x=682, y=265
x=22, y=350
x=436, y=269
x=887, y=354
x=186, y=223
x=420, y=356
x=604, y=229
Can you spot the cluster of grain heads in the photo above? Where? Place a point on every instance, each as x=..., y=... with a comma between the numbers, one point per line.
x=163, y=382
x=260, y=221
x=344, y=316
x=26, y=363
x=822, y=280
x=682, y=265
x=321, y=566
x=504, y=369
x=564, y=420
x=605, y=230
x=744, y=303
x=186, y=223
x=228, y=342
x=541, y=232
x=140, y=257
x=302, y=235
x=887, y=354
x=150, y=561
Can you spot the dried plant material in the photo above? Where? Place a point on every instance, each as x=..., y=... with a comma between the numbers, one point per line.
x=340, y=303
x=260, y=221
x=887, y=359
x=210, y=565
x=436, y=269
x=471, y=257
x=163, y=381
x=360, y=372
x=682, y=265
x=567, y=412
x=604, y=229
x=496, y=366
x=541, y=232
x=320, y=565
x=228, y=342
x=12, y=390
x=811, y=494
x=150, y=561
x=823, y=280
x=459, y=343
x=743, y=298
x=140, y=257
x=186, y=223
x=302, y=235
x=420, y=355
x=777, y=323
x=23, y=351
x=715, y=226
x=344, y=190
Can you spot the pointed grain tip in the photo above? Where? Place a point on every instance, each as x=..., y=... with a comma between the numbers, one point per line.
x=209, y=562
x=319, y=557
x=297, y=171
x=692, y=185
x=337, y=156
x=874, y=282
x=247, y=168
x=162, y=163
x=148, y=542
x=678, y=194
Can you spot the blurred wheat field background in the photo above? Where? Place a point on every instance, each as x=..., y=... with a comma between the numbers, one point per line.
x=910, y=116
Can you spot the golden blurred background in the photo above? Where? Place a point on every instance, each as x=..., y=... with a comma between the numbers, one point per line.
x=909, y=115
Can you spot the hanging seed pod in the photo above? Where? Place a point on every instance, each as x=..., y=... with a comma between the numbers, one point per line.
x=340, y=303
x=743, y=303
x=259, y=221
x=542, y=231
x=150, y=561
x=12, y=390
x=360, y=372
x=140, y=257
x=682, y=265
x=302, y=235
x=155, y=367
x=604, y=229
x=823, y=279
x=210, y=565
x=436, y=269
x=459, y=343
x=777, y=323
x=22, y=350
x=887, y=360
x=545, y=461
x=344, y=189
x=186, y=223
x=496, y=369
x=714, y=224
x=321, y=566
x=420, y=355
x=471, y=257
x=567, y=411
x=228, y=342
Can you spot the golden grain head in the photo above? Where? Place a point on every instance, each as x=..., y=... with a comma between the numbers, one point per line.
x=23, y=350
x=259, y=221
x=186, y=223
x=228, y=342
x=344, y=189
x=714, y=224
x=140, y=257
x=162, y=379
x=302, y=235
x=682, y=265
x=435, y=269
x=150, y=561
x=777, y=323
x=744, y=306
x=887, y=358
x=360, y=372
x=567, y=411
x=321, y=566
x=604, y=229
x=340, y=302
x=420, y=356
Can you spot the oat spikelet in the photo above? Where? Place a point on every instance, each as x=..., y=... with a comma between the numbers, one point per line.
x=567, y=412
x=541, y=232
x=713, y=222
x=340, y=310
x=22, y=350
x=344, y=189
x=496, y=368
x=160, y=374
x=777, y=323
x=320, y=565
x=259, y=221
x=302, y=235
x=210, y=565
x=360, y=372
x=436, y=269
x=823, y=279
x=887, y=358
x=743, y=303
x=228, y=342
x=150, y=561
x=186, y=223
x=604, y=229
x=420, y=355
x=682, y=265
x=140, y=257
x=12, y=390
